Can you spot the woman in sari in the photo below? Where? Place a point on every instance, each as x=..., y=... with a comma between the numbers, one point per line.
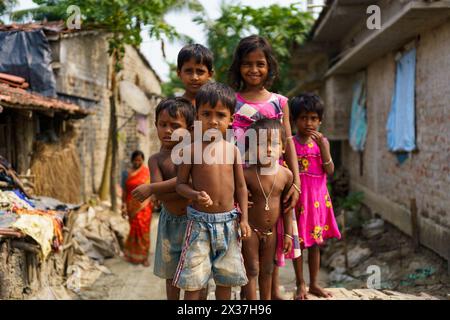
x=137, y=245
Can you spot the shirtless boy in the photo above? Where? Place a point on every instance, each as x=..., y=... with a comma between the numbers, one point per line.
x=268, y=182
x=171, y=114
x=212, y=242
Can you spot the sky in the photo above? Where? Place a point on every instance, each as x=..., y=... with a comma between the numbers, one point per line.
x=182, y=21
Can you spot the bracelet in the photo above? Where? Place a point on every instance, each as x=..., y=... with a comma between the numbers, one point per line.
x=295, y=187
x=328, y=162
x=289, y=236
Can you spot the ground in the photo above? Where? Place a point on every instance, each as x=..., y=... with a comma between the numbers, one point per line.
x=403, y=272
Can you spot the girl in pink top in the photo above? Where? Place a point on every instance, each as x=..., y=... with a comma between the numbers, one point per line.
x=253, y=70
x=314, y=211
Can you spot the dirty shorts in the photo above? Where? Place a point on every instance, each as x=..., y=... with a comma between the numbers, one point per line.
x=212, y=245
x=169, y=243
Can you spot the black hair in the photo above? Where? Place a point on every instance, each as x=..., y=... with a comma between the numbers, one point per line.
x=201, y=54
x=136, y=154
x=215, y=92
x=245, y=46
x=178, y=106
x=306, y=102
x=269, y=124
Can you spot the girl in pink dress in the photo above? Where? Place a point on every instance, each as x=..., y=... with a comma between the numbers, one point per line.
x=252, y=72
x=314, y=211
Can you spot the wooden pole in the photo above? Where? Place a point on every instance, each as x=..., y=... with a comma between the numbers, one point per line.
x=415, y=232
x=344, y=238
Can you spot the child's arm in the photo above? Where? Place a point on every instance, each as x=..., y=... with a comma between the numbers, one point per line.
x=184, y=189
x=241, y=193
x=291, y=198
x=144, y=191
x=324, y=146
x=287, y=217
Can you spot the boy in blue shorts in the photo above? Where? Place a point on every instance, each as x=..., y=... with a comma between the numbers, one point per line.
x=171, y=114
x=212, y=242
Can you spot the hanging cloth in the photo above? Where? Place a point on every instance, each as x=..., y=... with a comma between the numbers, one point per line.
x=358, y=118
x=401, y=120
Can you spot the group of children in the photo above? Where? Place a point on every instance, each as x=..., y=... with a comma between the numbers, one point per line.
x=231, y=219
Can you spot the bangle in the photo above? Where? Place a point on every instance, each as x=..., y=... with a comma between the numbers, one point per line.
x=328, y=162
x=295, y=187
x=289, y=236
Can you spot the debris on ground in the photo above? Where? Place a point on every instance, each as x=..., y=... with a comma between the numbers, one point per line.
x=378, y=245
x=94, y=239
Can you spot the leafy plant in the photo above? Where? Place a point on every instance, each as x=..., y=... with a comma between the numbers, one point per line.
x=174, y=85
x=351, y=202
x=6, y=6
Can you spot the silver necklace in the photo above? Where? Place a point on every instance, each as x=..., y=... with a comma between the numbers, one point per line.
x=267, y=208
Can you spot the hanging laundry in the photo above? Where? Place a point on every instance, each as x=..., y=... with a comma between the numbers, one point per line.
x=358, y=118
x=401, y=120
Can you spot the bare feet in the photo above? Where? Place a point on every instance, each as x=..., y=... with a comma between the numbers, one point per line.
x=300, y=293
x=319, y=291
x=146, y=263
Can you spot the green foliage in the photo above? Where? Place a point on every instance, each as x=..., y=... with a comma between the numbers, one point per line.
x=351, y=202
x=284, y=27
x=124, y=19
x=174, y=85
x=6, y=6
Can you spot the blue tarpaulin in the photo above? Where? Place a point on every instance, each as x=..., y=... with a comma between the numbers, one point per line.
x=358, y=118
x=400, y=126
x=27, y=54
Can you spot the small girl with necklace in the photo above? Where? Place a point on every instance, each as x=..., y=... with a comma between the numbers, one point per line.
x=268, y=182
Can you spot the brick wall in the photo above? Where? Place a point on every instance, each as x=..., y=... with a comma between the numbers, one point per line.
x=137, y=71
x=84, y=74
x=425, y=176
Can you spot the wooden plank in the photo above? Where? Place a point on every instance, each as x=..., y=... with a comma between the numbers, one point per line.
x=362, y=294
x=344, y=294
x=414, y=225
x=400, y=296
x=426, y=296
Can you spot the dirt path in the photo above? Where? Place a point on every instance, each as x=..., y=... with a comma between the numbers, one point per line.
x=130, y=282
x=127, y=281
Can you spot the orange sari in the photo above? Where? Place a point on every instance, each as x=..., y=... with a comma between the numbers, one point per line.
x=137, y=246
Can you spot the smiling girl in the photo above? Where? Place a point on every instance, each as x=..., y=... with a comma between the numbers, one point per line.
x=253, y=71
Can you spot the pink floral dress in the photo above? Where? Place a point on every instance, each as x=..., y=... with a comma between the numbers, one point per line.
x=314, y=211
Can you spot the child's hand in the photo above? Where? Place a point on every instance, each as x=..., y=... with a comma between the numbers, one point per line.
x=287, y=244
x=246, y=231
x=142, y=192
x=204, y=199
x=317, y=137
